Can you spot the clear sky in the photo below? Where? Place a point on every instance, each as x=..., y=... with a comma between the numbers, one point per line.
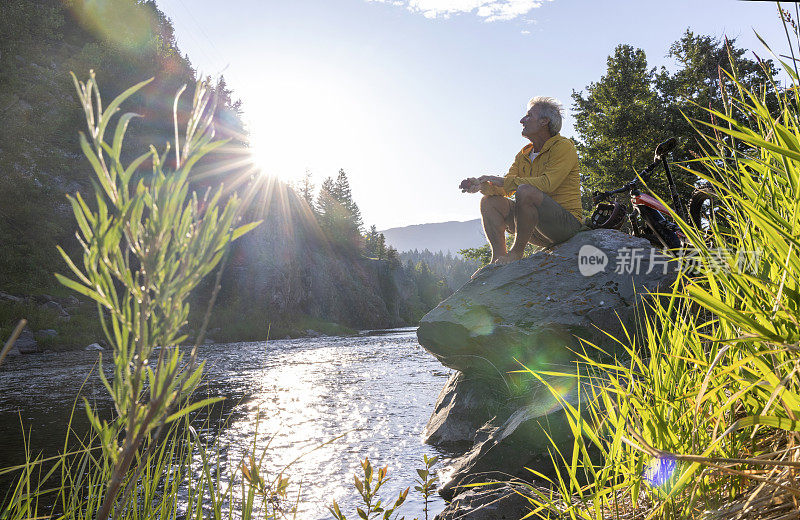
x=411, y=96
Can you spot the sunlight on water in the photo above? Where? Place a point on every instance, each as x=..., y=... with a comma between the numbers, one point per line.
x=363, y=396
x=322, y=405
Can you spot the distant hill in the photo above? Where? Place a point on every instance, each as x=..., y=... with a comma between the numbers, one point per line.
x=439, y=236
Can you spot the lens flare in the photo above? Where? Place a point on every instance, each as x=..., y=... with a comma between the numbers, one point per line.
x=659, y=472
x=126, y=24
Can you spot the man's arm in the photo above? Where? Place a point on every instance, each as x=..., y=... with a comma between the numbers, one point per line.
x=563, y=159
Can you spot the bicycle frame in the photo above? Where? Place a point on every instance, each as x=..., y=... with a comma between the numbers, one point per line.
x=648, y=209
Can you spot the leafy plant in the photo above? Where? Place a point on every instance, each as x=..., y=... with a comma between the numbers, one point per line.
x=147, y=243
x=427, y=481
x=369, y=489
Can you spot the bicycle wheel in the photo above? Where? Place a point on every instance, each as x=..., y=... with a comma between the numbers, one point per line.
x=666, y=236
x=705, y=212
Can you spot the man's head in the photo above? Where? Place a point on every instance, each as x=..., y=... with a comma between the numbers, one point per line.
x=543, y=117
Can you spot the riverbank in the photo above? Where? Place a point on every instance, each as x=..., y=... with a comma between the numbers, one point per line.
x=66, y=323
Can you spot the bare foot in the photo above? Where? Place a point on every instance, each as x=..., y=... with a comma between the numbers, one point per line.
x=476, y=273
x=512, y=256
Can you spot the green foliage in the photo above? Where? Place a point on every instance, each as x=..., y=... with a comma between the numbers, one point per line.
x=368, y=489
x=338, y=214
x=427, y=481
x=703, y=414
x=181, y=477
x=483, y=254
x=451, y=269
x=147, y=244
x=624, y=115
x=617, y=121
x=374, y=244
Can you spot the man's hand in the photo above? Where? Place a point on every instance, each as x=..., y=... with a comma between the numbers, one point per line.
x=473, y=185
x=470, y=185
x=494, y=179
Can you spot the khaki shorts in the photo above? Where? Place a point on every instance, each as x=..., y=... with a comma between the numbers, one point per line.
x=555, y=225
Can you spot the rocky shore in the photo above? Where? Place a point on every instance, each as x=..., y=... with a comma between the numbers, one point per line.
x=535, y=314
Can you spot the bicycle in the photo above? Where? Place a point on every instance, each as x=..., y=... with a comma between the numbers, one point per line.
x=646, y=216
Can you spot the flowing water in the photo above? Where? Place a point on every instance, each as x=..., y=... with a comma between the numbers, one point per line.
x=368, y=395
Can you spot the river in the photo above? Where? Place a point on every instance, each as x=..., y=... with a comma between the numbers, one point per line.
x=374, y=392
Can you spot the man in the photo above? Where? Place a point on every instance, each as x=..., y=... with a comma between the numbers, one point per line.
x=545, y=182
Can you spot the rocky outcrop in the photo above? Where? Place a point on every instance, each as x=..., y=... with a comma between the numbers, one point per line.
x=463, y=406
x=535, y=313
x=528, y=311
x=500, y=501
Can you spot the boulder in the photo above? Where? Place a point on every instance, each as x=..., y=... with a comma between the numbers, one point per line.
x=94, y=346
x=496, y=501
x=70, y=301
x=532, y=313
x=55, y=307
x=26, y=343
x=518, y=444
x=463, y=406
x=9, y=297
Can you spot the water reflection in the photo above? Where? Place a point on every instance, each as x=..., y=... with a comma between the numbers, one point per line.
x=364, y=396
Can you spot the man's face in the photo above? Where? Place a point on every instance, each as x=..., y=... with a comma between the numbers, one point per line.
x=532, y=122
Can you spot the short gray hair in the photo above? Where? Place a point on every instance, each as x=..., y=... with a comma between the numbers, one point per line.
x=551, y=109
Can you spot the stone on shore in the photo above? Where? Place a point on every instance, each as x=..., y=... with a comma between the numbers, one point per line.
x=527, y=312
x=532, y=313
x=463, y=406
x=497, y=501
x=26, y=343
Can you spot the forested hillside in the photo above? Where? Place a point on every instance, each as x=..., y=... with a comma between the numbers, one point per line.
x=308, y=262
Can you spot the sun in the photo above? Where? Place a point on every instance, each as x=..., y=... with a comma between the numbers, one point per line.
x=274, y=157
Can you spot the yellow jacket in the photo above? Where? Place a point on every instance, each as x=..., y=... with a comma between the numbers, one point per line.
x=554, y=171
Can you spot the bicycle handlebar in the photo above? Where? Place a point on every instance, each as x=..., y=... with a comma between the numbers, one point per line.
x=661, y=151
x=598, y=196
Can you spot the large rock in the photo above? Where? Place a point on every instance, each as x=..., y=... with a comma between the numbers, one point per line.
x=532, y=313
x=498, y=501
x=514, y=446
x=464, y=405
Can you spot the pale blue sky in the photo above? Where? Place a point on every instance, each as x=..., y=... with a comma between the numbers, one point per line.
x=411, y=96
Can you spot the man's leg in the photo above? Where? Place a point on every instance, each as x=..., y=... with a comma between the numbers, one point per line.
x=526, y=216
x=495, y=213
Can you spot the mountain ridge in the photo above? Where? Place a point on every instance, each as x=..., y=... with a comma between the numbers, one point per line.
x=447, y=237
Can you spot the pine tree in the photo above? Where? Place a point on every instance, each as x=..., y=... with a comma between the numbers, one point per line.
x=342, y=193
x=306, y=188
x=371, y=242
x=617, y=121
x=697, y=85
x=335, y=214
x=380, y=248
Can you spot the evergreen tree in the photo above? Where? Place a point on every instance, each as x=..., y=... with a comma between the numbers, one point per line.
x=341, y=191
x=624, y=115
x=380, y=248
x=306, y=188
x=617, y=121
x=335, y=214
x=393, y=258
x=371, y=244
x=703, y=65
